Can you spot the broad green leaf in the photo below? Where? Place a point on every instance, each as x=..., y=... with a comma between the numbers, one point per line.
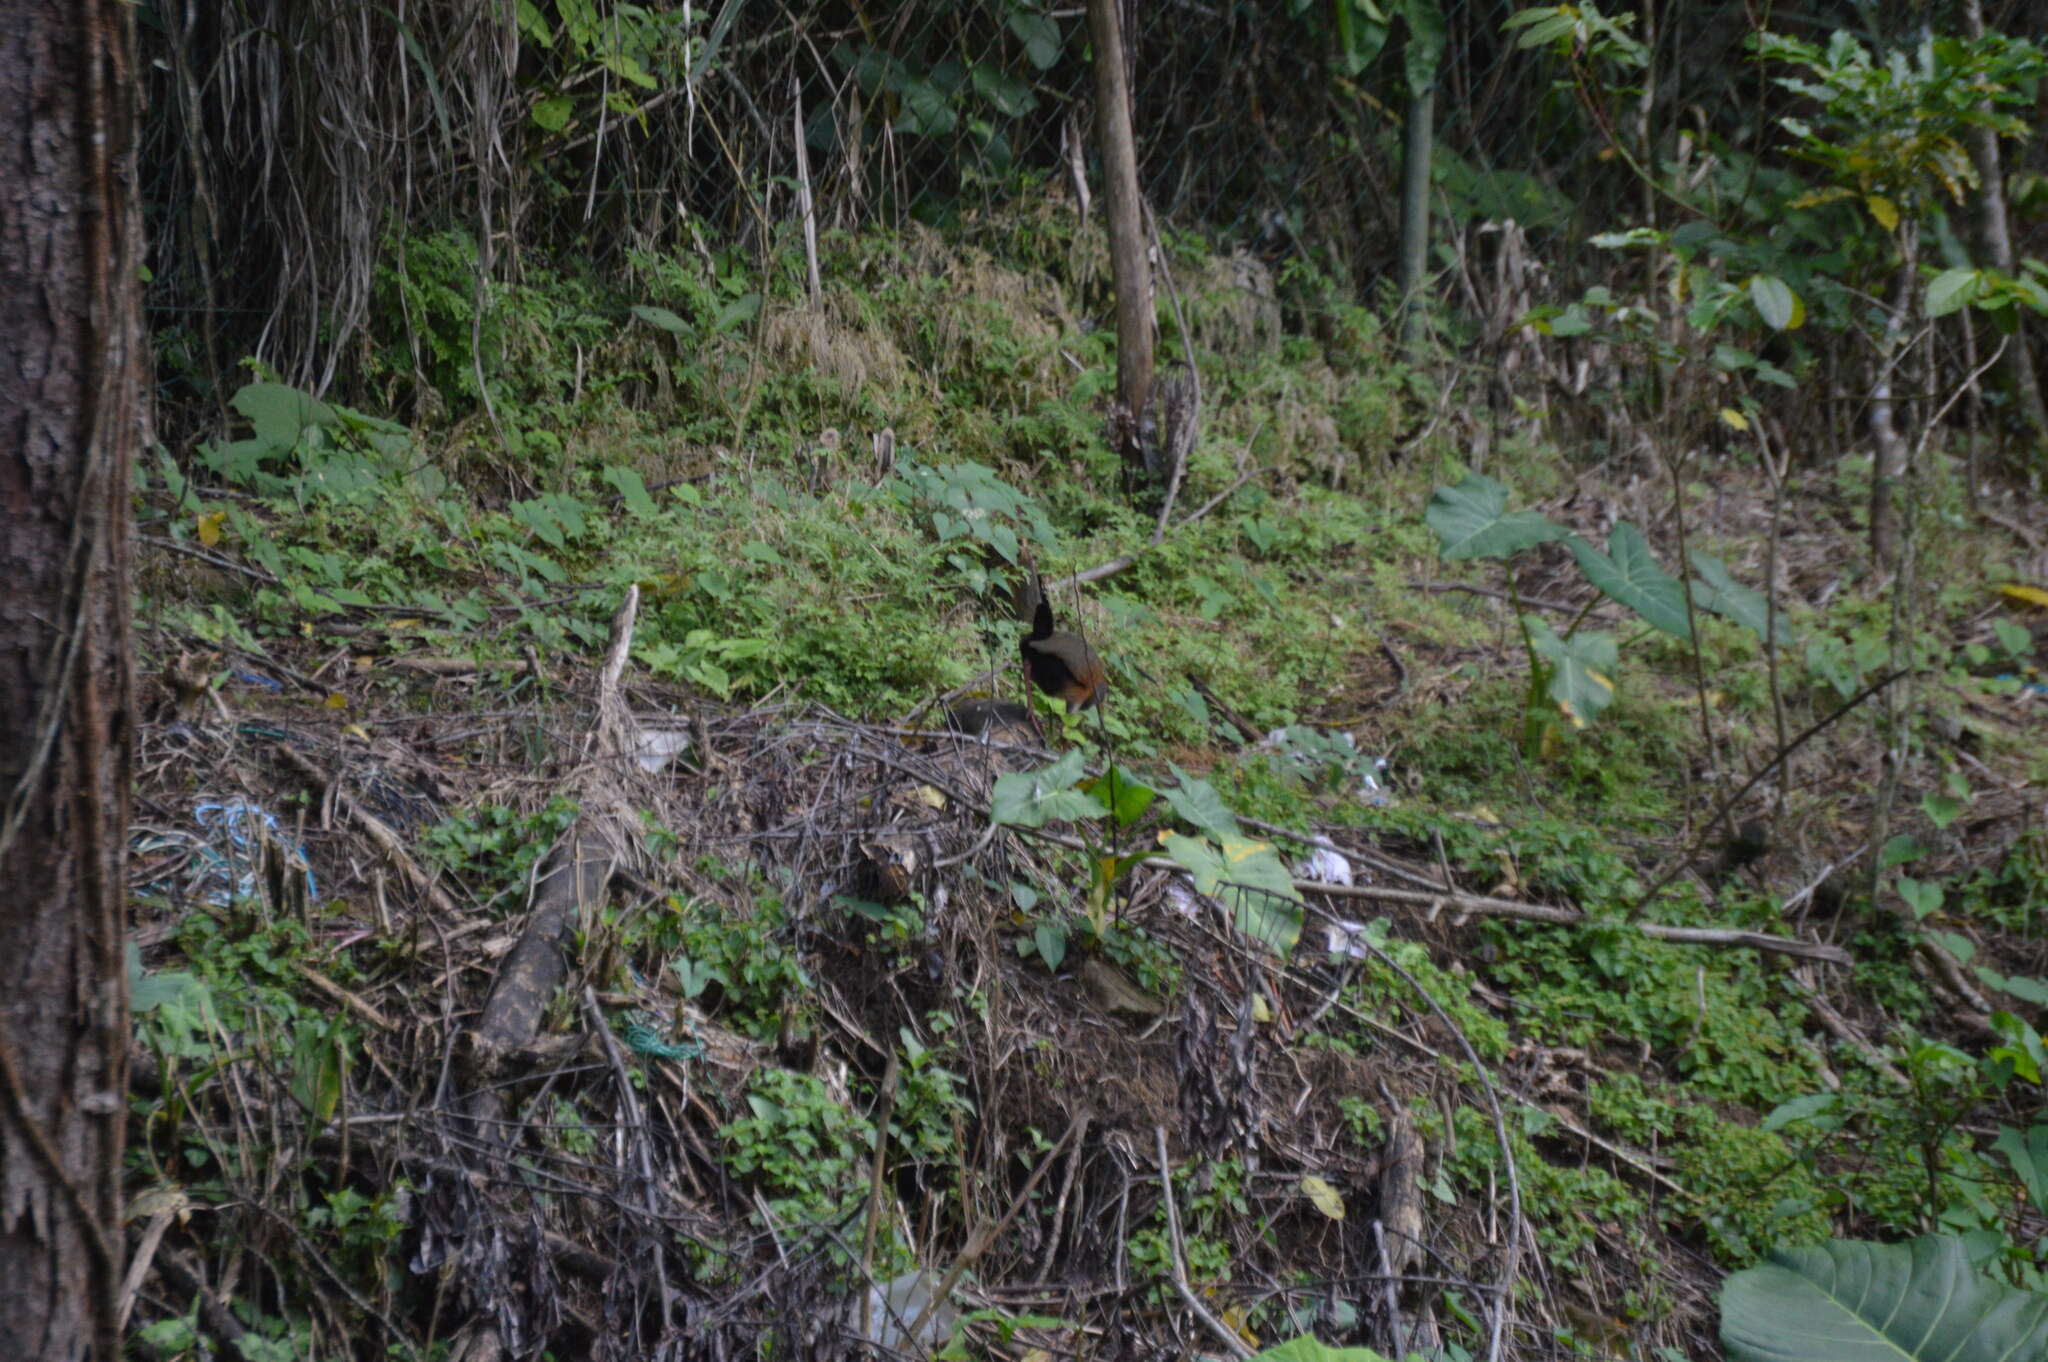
x=318, y=1060
x=1629, y=574
x=925, y=110
x=1546, y=25
x=2027, y=1152
x=1425, y=47
x=1471, y=520
x=1780, y=308
x=1732, y=600
x=2023, y=1047
x=281, y=414
x=1250, y=878
x=1031, y=799
x=1953, y=290
x=1040, y=34
x=1573, y=321
x=552, y=114
x=738, y=312
x=1126, y=798
x=1309, y=1348
x=1010, y=96
x=1941, y=809
x=1898, y=849
x=630, y=487
x=1810, y=1108
x=1923, y=898
x=1052, y=944
x=663, y=318
x=2023, y=987
x=1581, y=669
x=1846, y=1301
x=1195, y=800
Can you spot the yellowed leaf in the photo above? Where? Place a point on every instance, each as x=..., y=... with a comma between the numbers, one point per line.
x=1262, y=1011
x=2027, y=595
x=1884, y=210
x=209, y=527
x=1510, y=884
x=336, y=700
x=1237, y=1319
x=159, y=1200
x=1323, y=1196
x=1238, y=850
x=1820, y=196
x=356, y=731
x=1734, y=418
x=930, y=797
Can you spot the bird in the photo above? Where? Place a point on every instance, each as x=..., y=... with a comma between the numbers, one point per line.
x=1061, y=663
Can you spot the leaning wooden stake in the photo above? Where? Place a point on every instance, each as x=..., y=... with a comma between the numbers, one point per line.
x=571, y=879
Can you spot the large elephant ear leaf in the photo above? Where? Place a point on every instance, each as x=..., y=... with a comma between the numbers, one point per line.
x=1629, y=573
x=1472, y=520
x=1846, y=1301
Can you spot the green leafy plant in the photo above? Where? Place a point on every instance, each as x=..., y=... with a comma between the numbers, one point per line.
x=803, y=1146
x=738, y=965
x=968, y=501
x=1575, y=670
x=1844, y=1301
x=494, y=847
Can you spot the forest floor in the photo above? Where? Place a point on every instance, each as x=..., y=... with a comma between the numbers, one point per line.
x=520, y=971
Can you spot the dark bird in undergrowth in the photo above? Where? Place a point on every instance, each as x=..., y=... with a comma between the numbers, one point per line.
x=1061, y=663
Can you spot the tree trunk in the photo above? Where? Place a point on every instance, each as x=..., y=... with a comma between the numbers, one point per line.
x=1995, y=239
x=71, y=419
x=1890, y=454
x=1126, y=216
x=1418, y=139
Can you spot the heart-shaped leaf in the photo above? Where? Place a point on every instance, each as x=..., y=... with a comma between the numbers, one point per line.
x=1472, y=521
x=1628, y=573
x=1854, y=1302
x=1731, y=600
x=2027, y=1152
x=1251, y=879
x=1031, y=799
x=1581, y=670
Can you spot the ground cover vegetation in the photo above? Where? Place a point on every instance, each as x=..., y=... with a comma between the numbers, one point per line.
x=1560, y=868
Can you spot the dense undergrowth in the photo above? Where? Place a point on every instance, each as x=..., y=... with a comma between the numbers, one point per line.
x=824, y=503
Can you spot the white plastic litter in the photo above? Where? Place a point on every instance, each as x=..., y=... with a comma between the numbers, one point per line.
x=895, y=1304
x=1347, y=939
x=1325, y=865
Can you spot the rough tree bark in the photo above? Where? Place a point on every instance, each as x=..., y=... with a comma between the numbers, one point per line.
x=71, y=419
x=1125, y=211
x=1996, y=239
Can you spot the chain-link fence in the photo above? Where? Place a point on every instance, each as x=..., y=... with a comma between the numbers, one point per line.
x=295, y=144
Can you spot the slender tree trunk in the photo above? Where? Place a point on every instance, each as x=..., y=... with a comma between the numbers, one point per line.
x=71, y=412
x=1890, y=455
x=1126, y=216
x=1417, y=141
x=1995, y=238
